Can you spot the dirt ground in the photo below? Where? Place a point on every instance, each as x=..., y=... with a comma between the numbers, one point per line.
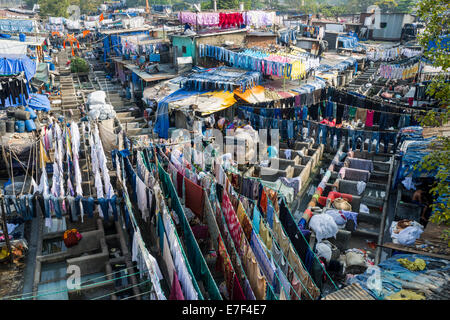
x=11, y=279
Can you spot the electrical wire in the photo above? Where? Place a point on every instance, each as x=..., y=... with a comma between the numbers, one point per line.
x=124, y=289
x=49, y=290
x=86, y=286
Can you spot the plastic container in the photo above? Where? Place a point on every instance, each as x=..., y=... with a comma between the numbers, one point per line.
x=10, y=126
x=20, y=126
x=2, y=127
x=22, y=37
x=22, y=115
x=29, y=125
x=32, y=113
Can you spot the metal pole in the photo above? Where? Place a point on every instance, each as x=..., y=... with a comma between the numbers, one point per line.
x=383, y=217
x=5, y=230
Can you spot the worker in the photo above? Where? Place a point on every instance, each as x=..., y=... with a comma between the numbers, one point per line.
x=422, y=197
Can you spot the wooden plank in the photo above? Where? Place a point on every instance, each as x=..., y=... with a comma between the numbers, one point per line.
x=400, y=247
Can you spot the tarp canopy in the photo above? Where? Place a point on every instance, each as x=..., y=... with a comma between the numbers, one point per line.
x=39, y=102
x=14, y=64
x=12, y=47
x=206, y=103
x=42, y=72
x=162, y=113
x=16, y=25
x=253, y=95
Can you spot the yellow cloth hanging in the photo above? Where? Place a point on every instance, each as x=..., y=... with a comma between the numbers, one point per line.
x=43, y=155
x=418, y=264
x=405, y=295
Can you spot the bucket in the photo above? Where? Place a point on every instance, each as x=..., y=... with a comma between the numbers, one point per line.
x=32, y=113
x=10, y=126
x=20, y=126
x=2, y=127
x=10, y=113
x=29, y=125
x=22, y=115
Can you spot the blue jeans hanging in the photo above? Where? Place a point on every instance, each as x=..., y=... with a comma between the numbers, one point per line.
x=31, y=211
x=47, y=206
x=323, y=132
x=113, y=204
x=375, y=137
x=56, y=206
x=73, y=210
x=88, y=206
x=105, y=207
x=359, y=135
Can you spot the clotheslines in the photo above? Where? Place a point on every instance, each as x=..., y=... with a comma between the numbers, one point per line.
x=390, y=54
x=361, y=100
x=138, y=243
x=287, y=225
x=286, y=103
x=274, y=123
x=270, y=221
x=221, y=78
x=164, y=156
x=267, y=64
x=398, y=71
x=229, y=19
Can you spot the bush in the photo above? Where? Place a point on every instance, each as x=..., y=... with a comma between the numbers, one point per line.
x=79, y=65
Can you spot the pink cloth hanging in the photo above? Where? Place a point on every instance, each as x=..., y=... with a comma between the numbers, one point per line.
x=175, y=291
x=369, y=118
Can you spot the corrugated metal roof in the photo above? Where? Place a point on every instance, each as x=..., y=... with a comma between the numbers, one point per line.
x=352, y=292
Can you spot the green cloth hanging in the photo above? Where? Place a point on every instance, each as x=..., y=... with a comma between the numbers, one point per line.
x=195, y=257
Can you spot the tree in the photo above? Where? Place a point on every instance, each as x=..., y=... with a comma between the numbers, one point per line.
x=358, y=6
x=30, y=3
x=87, y=6
x=54, y=8
x=386, y=5
x=227, y=4
x=405, y=6
x=435, y=15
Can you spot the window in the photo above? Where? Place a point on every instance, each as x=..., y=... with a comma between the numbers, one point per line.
x=383, y=25
x=183, y=49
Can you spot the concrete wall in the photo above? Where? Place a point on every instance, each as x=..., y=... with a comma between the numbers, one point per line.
x=219, y=40
x=260, y=41
x=394, y=24
x=179, y=42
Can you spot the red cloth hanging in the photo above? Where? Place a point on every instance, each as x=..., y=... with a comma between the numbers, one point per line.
x=238, y=293
x=175, y=292
x=194, y=197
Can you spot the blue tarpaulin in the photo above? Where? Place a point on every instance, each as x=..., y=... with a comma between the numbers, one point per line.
x=39, y=102
x=444, y=43
x=16, y=25
x=162, y=113
x=113, y=42
x=13, y=64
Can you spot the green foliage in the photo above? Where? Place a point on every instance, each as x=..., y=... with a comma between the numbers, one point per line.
x=30, y=3
x=227, y=4
x=435, y=14
x=439, y=159
x=54, y=8
x=405, y=6
x=87, y=6
x=386, y=5
x=78, y=64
